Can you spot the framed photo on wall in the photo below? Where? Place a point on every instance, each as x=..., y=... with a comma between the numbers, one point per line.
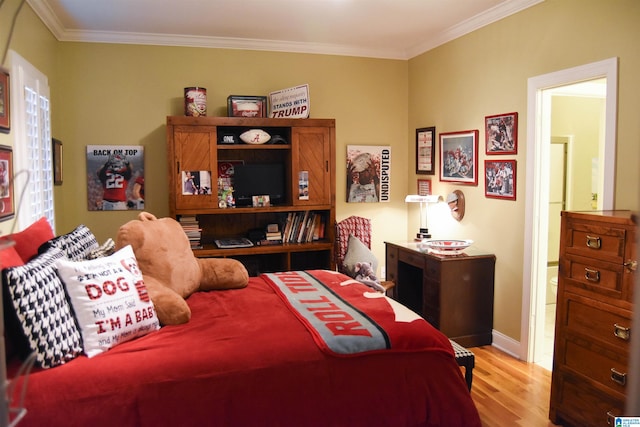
x=6, y=183
x=57, y=161
x=5, y=117
x=459, y=157
x=500, y=179
x=501, y=133
x=424, y=187
x=425, y=150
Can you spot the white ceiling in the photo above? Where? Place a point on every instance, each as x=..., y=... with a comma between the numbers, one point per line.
x=393, y=29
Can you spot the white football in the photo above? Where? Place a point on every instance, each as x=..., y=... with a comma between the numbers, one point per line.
x=255, y=136
x=248, y=109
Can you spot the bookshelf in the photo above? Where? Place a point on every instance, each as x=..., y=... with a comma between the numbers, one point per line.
x=305, y=222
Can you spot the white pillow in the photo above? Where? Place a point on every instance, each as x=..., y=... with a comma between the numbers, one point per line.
x=109, y=298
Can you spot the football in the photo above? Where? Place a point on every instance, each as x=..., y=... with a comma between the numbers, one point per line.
x=255, y=136
x=248, y=109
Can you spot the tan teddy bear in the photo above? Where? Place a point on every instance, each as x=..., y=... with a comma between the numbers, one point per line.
x=171, y=272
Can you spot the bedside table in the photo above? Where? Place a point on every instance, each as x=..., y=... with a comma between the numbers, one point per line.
x=452, y=292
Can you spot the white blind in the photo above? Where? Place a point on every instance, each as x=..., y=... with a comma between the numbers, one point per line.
x=33, y=185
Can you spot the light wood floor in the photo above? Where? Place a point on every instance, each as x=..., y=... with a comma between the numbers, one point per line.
x=509, y=392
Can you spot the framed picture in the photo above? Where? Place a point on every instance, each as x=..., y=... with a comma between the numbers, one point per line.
x=424, y=187
x=246, y=106
x=501, y=133
x=459, y=157
x=425, y=149
x=500, y=179
x=5, y=118
x=6, y=183
x=57, y=161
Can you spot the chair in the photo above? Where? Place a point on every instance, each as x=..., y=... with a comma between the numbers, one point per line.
x=358, y=227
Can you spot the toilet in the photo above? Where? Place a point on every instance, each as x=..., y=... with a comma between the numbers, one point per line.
x=554, y=286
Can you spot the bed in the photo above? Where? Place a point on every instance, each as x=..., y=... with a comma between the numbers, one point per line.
x=250, y=357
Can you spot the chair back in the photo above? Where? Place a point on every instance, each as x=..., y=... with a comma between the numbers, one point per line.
x=358, y=226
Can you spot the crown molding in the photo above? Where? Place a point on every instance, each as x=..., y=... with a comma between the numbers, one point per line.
x=504, y=9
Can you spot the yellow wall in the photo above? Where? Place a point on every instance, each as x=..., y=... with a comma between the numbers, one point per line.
x=121, y=94
x=454, y=86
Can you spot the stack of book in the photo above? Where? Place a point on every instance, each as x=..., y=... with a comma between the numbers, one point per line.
x=192, y=229
x=273, y=236
x=303, y=227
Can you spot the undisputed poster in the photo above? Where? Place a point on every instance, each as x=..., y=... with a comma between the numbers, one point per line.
x=115, y=177
x=368, y=173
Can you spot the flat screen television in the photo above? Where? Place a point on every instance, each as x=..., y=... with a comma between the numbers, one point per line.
x=258, y=179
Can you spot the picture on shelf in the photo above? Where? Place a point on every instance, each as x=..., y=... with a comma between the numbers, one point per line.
x=196, y=183
x=115, y=177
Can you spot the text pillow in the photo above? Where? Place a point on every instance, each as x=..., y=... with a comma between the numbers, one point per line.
x=109, y=298
x=38, y=299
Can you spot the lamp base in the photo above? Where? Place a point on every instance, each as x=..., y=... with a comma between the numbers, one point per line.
x=423, y=234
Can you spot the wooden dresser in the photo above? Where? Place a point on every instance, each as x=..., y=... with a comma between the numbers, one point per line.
x=593, y=317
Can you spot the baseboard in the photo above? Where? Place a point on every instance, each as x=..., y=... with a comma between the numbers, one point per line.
x=506, y=344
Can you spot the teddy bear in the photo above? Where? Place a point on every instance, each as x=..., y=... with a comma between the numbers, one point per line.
x=170, y=271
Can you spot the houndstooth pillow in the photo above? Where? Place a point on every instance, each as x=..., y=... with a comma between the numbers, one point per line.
x=42, y=310
x=77, y=244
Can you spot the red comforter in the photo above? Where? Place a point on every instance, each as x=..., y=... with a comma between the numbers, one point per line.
x=245, y=359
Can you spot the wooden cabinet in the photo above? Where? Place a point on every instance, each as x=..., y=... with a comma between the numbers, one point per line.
x=593, y=317
x=452, y=292
x=193, y=145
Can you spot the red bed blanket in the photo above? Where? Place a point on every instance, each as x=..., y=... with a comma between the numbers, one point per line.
x=245, y=359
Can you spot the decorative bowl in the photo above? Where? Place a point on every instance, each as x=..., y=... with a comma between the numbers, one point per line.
x=447, y=247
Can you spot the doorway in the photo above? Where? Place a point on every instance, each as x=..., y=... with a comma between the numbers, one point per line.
x=540, y=93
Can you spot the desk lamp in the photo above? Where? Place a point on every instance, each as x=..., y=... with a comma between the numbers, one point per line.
x=424, y=202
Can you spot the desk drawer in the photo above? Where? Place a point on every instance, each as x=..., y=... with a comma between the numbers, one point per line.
x=412, y=258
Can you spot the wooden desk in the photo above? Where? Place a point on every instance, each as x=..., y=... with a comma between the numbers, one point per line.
x=453, y=292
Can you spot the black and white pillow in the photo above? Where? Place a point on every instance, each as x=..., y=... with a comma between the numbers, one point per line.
x=77, y=244
x=42, y=310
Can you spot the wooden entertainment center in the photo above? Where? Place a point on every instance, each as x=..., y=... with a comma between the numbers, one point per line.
x=194, y=144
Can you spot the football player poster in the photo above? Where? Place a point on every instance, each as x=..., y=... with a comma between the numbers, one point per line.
x=368, y=173
x=115, y=177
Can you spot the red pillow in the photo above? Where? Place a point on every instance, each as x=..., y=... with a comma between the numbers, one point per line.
x=29, y=240
x=9, y=257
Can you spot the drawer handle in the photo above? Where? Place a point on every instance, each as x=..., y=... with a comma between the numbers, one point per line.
x=592, y=275
x=593, y=242
x=618, y=377
x=610, y=418
x=621, y=332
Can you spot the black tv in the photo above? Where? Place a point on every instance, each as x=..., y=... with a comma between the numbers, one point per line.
x=258, y=179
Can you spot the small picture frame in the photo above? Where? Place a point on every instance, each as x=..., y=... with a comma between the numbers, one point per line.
x=6, y=183
x=57, y=161
x=459, y=157
x=424, y=187
x=500, y=179
x=425, y=150
x=246, y=106
x=5, y=107
x=261, y=201
x=501, y=134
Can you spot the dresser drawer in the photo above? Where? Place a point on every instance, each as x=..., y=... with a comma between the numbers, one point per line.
x=606, y=243
x=600, y=277
x=605, y=366
x=581, y=404
x=596, y=321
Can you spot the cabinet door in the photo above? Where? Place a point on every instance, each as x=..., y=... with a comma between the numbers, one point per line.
x=311, y=153
x=194, y=151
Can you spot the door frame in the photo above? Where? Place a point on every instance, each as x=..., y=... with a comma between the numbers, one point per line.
x=537, y=184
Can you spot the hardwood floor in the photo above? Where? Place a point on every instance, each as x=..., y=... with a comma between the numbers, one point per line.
x=509, y=392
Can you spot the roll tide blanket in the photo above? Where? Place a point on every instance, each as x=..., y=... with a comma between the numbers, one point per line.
x=347, y=318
